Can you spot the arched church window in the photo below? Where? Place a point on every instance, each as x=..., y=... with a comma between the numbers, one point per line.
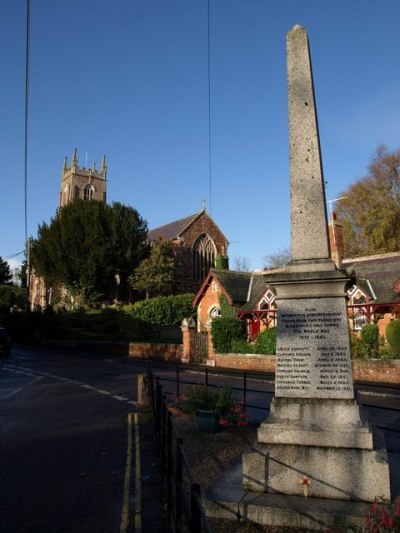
x=88, y=192
x=204, y=252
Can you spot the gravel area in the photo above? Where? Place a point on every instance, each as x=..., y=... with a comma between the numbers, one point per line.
x=209, y=455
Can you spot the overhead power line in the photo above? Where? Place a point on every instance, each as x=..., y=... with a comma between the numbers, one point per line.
x=209, y=104
x=27, y=58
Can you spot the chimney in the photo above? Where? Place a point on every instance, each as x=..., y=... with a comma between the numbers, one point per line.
x=336, y=240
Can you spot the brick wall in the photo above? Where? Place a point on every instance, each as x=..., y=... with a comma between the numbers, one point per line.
x=166, y=352
x=209, y=300
x=374, y=370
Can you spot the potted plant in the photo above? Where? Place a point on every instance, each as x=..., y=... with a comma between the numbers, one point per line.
x=213, y=407
x=202, y=400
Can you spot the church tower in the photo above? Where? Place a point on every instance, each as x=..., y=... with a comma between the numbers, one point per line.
x=84, y=183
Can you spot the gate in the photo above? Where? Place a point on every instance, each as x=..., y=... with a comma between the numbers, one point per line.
x=200, y=348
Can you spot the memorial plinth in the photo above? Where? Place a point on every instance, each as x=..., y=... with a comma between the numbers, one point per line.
x=316, y=430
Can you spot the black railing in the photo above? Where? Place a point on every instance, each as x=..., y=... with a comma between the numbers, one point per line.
x=242, y=389
x=183, y=494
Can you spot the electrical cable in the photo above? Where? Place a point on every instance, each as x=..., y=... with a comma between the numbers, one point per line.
x=27, y=60
x=209, y=104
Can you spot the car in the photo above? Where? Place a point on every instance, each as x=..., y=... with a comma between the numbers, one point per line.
x=5, y=342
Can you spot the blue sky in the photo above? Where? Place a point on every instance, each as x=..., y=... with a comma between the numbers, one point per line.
x=129, y=79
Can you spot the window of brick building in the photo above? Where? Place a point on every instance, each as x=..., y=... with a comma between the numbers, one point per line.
x=204, y=252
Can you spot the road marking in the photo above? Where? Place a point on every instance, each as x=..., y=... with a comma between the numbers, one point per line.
x=138, y=478
x=35, y=373
x=133, y=429
x=127, y=480
x=22, y=388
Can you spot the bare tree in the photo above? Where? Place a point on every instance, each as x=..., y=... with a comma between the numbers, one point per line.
x=241, y=264
x=278, y=259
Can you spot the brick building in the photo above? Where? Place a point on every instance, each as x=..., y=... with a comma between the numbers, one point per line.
x=198, y=242
x=373, y=295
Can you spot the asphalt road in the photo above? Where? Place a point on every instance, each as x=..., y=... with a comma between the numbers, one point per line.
x=77, y=454
x=71, y=434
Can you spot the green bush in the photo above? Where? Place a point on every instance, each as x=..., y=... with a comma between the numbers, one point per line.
x=225, y=331
x=370, y=340
x=164, y=310
x=393, y=336
x=242, y=346
x=266, y=342
x=227, y=310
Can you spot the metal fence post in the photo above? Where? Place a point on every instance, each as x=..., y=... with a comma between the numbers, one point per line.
x=195, y=516
x=178, y=486
x=244, y=390
x=169, y=464
x=177, y=381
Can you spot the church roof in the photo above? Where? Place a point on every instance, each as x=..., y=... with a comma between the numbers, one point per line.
x=377, y=275
x=173, y=230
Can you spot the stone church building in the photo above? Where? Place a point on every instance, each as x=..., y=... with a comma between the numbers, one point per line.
x=84, y=183
x=197, y=240
x=76, y=182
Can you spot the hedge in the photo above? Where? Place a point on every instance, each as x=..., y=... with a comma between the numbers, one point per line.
x=225, y=331
x=163, y=310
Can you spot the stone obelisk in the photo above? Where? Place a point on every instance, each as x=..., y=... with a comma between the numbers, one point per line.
x=315, y=431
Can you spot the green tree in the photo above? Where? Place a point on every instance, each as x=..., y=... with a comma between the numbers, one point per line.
x=370, y=211
x=5, y=272
x=90, y=247
x=10, y=296
x=155, y=275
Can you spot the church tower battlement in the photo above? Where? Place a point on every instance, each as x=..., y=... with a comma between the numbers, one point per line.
x=80, y=182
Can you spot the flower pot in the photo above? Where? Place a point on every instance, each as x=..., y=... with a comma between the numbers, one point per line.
x=207, y=420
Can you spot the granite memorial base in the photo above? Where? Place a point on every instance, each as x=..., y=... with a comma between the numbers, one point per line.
x=323, y=444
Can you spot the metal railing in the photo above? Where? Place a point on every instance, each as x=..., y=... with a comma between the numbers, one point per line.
x=241, y=388
x=183, y=494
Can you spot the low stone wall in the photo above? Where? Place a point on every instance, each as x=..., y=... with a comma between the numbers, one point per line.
x=166, y=352
x=374, y=370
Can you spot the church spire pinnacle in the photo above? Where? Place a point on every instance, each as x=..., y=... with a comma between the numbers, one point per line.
x=74, y=162
x=103, y=168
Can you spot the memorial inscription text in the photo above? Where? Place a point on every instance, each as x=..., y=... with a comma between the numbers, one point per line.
x=313, y=358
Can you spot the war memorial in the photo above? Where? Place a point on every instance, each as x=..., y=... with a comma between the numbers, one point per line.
x=316, y=460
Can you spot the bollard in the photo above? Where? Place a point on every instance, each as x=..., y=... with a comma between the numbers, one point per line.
x=143, y=387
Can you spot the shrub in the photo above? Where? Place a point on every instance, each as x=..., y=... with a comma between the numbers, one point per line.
x=164, y=310
x=357, y=349
x=242, y=346
x=266, y=342
x=225, y=331
x=227, y=310
x=393, y=336
x=370, y=340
